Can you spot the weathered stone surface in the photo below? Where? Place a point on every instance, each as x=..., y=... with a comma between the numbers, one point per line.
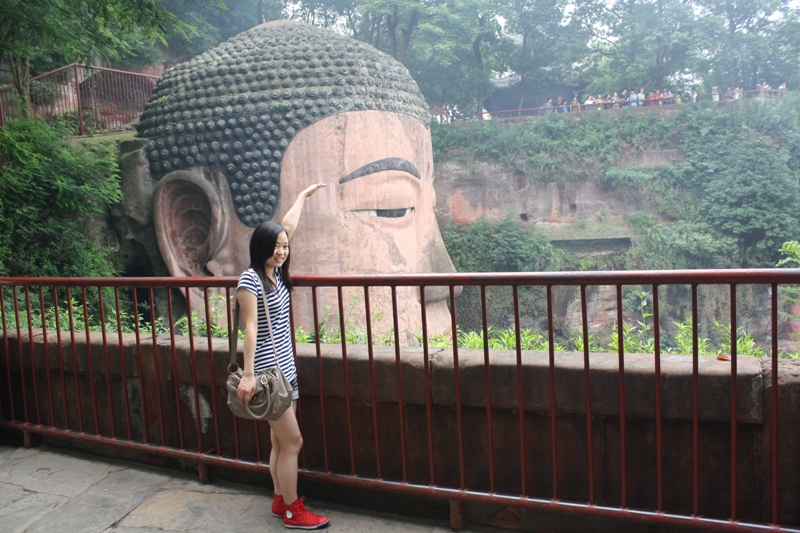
x=19, y=508
x=104, y=503
x=468, y=191
x=5, y=452
x=788, y=466
x=132, y=530
x=145, y=500
x=197, y=511
x=58, y=474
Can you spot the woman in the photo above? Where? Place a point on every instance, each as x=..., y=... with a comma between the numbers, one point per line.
x=269, y=269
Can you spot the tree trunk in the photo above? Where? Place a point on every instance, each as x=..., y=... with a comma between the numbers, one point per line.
x=21, y=75
x=412, y=23
x=734, y=76
x=365, y=33
x=523, y=90
x=376, y=31
x=476, y=48
x=634, y=49
x=391, y=24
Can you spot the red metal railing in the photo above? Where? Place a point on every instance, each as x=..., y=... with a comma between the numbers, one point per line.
x=95, y=411
x=88, y=99
x=444, y=114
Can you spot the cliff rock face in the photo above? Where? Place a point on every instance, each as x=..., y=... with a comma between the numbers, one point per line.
x=580, y=216
x=468, y=191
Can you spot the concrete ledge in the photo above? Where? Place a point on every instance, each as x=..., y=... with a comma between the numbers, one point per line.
x=676, y=374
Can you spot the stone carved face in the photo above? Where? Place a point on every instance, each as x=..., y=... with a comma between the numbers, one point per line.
x=235, y=134
x=375, y=216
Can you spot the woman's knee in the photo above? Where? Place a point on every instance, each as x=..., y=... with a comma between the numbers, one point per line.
x=292, y=444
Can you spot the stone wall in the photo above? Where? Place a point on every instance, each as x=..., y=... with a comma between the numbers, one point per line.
x=152, y=388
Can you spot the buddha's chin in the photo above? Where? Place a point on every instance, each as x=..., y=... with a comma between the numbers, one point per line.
x=438, y=316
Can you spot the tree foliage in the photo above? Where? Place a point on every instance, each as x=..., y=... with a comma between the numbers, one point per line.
x=50, y=190
x=454, y=49
x=213, y=22
x=75, y=29
x=501, y=246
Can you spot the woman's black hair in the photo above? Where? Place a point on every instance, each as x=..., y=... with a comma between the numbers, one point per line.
x=262, y=247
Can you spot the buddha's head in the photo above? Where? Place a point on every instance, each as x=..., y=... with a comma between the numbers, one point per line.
x=237, y=132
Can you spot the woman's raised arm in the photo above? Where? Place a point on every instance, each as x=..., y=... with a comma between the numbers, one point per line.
x=292, y=216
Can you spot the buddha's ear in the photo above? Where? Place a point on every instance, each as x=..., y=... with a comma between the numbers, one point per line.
x=189, y=219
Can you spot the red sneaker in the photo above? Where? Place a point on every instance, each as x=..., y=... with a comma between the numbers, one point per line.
x=278, y=506
x=297, y=516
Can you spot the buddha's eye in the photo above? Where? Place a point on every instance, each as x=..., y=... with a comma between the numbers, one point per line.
x=387, y=213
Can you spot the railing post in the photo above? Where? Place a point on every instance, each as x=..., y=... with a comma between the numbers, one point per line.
x=202, y=470
x=27, y=438
x=78, y=95
x=456, y=515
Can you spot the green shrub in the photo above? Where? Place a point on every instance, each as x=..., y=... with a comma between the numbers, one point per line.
x=50, y=193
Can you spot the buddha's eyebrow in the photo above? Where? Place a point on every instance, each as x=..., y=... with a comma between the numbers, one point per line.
x=388, y=163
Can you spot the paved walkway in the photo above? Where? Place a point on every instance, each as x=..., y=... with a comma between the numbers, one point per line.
x=51, y=490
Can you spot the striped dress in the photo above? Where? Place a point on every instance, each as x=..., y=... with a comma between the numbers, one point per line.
x=278, y=302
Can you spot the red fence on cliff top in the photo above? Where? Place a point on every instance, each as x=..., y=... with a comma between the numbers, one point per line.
x=444, y=115
x=88, y=99
x=136, y=392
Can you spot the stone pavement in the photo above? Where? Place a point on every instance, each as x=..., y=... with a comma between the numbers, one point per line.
x=51, y=490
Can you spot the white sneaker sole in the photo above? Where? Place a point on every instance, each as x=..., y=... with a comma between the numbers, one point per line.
x=320, y=526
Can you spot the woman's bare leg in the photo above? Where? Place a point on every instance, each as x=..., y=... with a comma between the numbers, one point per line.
x=283, y=458
x=273, y=461
x=273, y=457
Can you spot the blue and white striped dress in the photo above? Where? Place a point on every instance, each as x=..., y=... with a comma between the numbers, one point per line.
x=278, y=302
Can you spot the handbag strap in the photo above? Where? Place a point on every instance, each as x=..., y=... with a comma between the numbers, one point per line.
x=234, y=337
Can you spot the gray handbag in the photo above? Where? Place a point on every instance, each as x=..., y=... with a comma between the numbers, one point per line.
x=273, y=394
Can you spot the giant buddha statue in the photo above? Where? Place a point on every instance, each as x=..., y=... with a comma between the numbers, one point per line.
x=235, y=134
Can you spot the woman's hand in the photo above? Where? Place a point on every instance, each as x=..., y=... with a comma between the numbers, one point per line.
x=246, y=389
x=312, y=189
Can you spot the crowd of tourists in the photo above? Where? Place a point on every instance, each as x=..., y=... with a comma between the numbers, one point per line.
x=642, y=98
x=444, y=113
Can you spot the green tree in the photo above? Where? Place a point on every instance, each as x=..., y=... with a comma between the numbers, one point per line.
x=783, y=59
x=504, y=245
x=214, y=23
x=753, y=199
x=74, y=29
x=325, y=13
x=398, y=20
x=684, y=245
x=648, y=43
x=50, y=192
x=748, y=40
x=542, y=28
